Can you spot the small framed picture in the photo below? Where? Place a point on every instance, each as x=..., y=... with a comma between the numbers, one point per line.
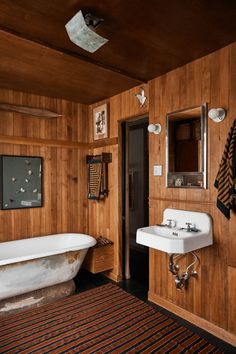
x=100, y=122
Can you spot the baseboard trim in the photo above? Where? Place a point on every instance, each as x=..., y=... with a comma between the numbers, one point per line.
x=113, y=276
x=194, y=319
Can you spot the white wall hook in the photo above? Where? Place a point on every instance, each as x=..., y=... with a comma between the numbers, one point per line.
x=141, y=97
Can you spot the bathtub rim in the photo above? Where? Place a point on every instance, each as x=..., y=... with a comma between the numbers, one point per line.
x=91, y=241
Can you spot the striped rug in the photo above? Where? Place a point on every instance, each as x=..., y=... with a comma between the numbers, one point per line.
x=105, y=319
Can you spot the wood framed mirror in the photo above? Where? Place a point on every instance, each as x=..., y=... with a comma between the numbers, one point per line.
x=186, y=148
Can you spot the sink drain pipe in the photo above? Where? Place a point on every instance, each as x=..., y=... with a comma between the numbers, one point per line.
x=181, y=280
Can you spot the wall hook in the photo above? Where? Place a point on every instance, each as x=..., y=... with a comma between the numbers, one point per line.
x=141, y=97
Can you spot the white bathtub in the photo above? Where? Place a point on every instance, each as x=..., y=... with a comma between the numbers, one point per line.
x=35, y=263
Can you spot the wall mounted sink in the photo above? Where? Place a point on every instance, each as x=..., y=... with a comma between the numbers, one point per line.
x=180, y=232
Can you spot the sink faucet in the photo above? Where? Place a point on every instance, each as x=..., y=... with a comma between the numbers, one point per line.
x=171, y=223
x=189, y=224
x=189, y=227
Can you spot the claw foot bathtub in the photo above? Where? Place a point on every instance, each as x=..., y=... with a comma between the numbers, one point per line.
x=41, y=268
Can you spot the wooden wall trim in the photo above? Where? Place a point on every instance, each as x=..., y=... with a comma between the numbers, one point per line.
x=18, y=140
x=194, y=319
x=113, y=276
x=103, y=143
x=189, y=201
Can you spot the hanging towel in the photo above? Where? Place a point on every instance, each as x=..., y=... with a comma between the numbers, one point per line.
x=94, y=181
x=98, y=175
x=226, y=178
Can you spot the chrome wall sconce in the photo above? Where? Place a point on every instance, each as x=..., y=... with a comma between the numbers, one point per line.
x=217, y=114
x=154, y=128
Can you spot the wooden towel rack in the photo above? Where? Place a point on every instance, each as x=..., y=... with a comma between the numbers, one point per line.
x=98, y=175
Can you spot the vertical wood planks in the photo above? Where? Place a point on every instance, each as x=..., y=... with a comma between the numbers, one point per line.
x=66, y=208
x=210, y=79
x=64, y=178
x=105, y=216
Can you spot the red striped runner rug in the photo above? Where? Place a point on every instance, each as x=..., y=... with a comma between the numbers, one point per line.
x=105, y=319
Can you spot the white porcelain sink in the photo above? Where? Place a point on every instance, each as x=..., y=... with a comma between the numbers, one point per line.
x=178, y=237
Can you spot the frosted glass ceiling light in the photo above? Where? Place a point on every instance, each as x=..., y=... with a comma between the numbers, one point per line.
x=80, y=29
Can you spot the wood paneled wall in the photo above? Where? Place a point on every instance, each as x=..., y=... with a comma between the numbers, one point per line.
x=72, y=126
x=105, y=216
x=210, y=299
x=210, y=80
x=64, y=172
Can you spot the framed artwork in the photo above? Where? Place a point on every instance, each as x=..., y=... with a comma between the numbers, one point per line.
x=20, y=182
x=100, y=122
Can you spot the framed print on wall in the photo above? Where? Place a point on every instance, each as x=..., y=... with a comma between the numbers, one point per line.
x=100, y=122
x=20, y=182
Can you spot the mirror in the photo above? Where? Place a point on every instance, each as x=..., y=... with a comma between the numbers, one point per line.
x=186, y=148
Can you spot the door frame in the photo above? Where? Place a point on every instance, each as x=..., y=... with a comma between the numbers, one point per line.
x=124, y=192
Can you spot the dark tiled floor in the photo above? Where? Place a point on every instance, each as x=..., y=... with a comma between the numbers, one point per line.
x=86, y=280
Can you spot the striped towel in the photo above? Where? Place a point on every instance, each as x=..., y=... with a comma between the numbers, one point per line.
x=226, y=178
x=94, y=181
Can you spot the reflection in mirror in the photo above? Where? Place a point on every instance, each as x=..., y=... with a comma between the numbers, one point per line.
x=186, y=148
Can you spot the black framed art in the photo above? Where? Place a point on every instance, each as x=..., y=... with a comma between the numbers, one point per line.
x=20, y=182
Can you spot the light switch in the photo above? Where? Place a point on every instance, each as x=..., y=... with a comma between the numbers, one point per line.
x=157, y=170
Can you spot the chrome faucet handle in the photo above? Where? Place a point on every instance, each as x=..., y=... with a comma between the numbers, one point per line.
x=171, y=223
x=189, y=224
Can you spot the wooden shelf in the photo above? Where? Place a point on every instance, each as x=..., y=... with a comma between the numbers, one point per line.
x=19, y=140
x=104, y=142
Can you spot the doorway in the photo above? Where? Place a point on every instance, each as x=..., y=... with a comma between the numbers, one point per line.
x=135, y=177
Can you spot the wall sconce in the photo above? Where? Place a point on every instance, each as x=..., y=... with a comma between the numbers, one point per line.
x=154, y=128
x=141, y=97
x=217, y=114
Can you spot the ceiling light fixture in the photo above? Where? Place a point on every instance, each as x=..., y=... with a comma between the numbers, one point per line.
x=80, y=30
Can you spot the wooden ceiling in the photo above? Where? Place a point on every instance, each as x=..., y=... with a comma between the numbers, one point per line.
x=146, y=39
